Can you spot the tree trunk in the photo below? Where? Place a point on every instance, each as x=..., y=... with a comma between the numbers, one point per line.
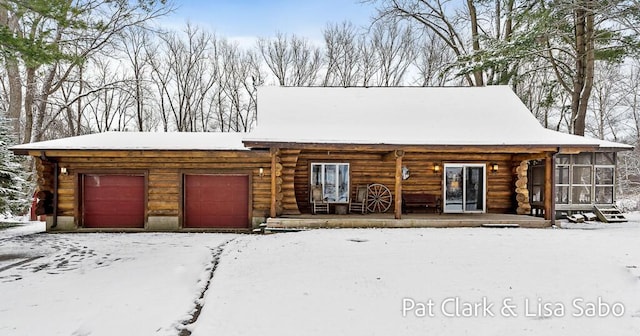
x=76, y=131
x=14, y=78
x=585, y=62
x=45, y=91
x=15, y=98
x=477, y=74
x=29, y=97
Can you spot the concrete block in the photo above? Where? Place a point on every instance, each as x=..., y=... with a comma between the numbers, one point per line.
x=163, y=223
x=65, y=223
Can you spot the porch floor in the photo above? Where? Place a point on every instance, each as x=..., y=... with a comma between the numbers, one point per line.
x=411, y=220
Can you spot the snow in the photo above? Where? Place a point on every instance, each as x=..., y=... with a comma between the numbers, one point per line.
x=353, y=282
x=321, y=282
x=407, y=115
x=21, y=228
x=103, y=284
x=358, y=115
x=143, y=141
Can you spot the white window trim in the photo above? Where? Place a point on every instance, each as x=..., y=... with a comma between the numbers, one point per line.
x=337, y=178
x=608, y=185
x=444, y=187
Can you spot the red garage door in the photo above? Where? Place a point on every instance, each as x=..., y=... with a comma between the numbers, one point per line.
x=113, y=201
x=216, y=201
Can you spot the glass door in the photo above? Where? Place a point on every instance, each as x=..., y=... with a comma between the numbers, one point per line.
x=474, y=189
x=453, y=189
x=464, y=188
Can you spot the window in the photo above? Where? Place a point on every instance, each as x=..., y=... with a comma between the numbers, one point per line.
x=581, y=187
x=334, y=179
x=604, y=185
x=604, y=171
x=586, y=178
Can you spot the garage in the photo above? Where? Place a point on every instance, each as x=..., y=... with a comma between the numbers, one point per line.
x=113, y=201
x=216, y=201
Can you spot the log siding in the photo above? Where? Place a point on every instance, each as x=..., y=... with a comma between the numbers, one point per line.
x=164, y=172
x=372, y=167
x=279, y=178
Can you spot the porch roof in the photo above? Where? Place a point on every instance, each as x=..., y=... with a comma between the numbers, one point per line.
x=423, y=116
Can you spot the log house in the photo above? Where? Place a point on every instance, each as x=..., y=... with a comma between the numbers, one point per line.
x=477, y=149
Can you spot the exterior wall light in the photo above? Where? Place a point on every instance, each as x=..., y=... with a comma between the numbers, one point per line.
x=436, y=168
x=261, y=172
x=63, y=171
x=494, y=167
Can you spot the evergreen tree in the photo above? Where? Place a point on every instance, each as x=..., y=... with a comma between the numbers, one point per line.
x=13, y=183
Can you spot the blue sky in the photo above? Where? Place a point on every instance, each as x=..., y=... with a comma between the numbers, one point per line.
x=239, y=19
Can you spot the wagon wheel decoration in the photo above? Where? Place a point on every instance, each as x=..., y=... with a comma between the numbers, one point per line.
x=379, y=198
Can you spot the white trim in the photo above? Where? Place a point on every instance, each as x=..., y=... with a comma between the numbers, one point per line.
x=337, y=179
x=464, y=173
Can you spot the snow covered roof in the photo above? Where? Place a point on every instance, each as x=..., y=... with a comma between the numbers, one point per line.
x=142, y=141
x=448, y=116
x=492, y=115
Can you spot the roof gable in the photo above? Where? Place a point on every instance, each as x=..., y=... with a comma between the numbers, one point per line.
x=492, y=115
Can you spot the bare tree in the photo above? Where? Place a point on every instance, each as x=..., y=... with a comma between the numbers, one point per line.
x=277, y=55
x=184, y=75
x=134, y=42
x=306, y=61
x=341, y=55
x=292, y=60
x=394, y=46
x=630, y=91
x=443, y=18
x=94, y=26
x=607, y=101
x=241, y=75
x=369, y=64
x=160, y=76
x=433, y=61
x=111, y=107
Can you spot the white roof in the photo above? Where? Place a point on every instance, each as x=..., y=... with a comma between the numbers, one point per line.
x=492, y=115
x=143, y=141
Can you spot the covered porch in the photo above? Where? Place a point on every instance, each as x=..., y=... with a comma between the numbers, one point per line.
x=471, y=183
x=411, y=220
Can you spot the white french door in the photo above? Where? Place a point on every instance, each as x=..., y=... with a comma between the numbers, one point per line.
x=464, y=188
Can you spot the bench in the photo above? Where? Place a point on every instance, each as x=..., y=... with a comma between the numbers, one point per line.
x=421, y=201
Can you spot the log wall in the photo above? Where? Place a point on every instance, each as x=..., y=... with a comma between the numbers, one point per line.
x=367, y=168
x=164, y=171
x=289, y=161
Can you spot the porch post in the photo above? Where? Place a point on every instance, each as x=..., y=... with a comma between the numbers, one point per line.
x=549, y=212
x=398, y=204
x=275, y=152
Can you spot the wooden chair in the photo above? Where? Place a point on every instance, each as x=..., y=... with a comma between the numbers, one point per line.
x=317, y=200
x=359, y=202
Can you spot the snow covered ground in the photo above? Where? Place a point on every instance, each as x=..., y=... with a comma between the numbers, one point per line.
x=326, y=282
x=103, y=284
